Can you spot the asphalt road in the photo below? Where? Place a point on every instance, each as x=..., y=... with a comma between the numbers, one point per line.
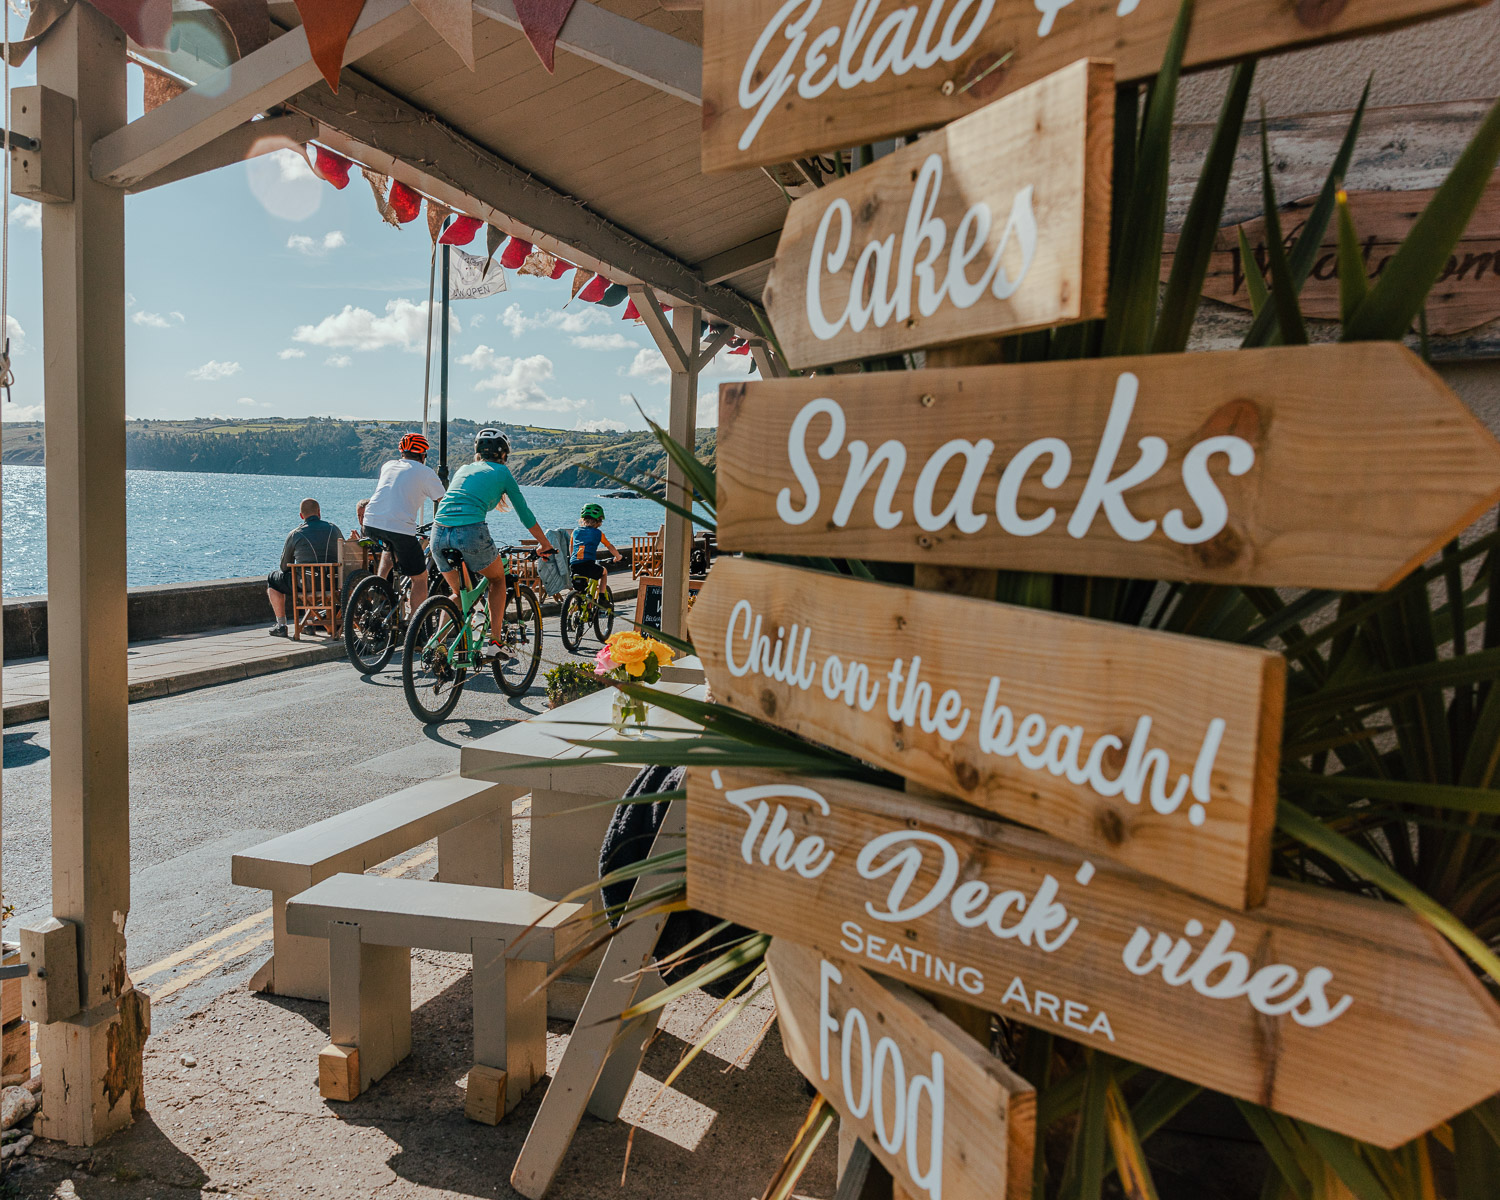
x=222, y=768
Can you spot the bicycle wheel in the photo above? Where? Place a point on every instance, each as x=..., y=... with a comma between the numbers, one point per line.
x=604, y=613
x=432, y=666
x=372, y=624
x=520, y=640
x=573, y=620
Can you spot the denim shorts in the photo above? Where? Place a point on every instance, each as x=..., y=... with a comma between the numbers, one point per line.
x=472, y=541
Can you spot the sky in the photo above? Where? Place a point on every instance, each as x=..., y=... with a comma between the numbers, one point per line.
x=259, y=290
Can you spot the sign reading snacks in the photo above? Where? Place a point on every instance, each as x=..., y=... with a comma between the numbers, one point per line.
x=1340, y=466
x=1154, y=749
x=996, y=224
x=947, y=1120
x=1320, y=1005
x=785, y=78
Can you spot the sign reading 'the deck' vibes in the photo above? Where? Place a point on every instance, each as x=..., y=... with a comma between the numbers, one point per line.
x=1319, y=1004
x=1154, y=749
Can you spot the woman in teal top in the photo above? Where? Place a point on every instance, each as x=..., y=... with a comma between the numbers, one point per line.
x=482, y=485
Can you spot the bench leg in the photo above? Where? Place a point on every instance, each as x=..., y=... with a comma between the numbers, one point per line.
x=629, y=1049
x=299, y=965
x=369, y=1004
x=510, y=1030
x=479, y=852
x=567, y=829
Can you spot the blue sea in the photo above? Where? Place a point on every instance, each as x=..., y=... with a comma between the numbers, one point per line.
x=183, y=526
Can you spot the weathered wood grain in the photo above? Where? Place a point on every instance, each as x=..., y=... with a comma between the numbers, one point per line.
x=1257, y=1008
x=1357, y=462
x=1182, y=733
x=967, y=1126
x=996, y=224
x=821, y=74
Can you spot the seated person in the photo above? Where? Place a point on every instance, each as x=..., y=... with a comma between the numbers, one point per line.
x=313, y=541
x=586, y=539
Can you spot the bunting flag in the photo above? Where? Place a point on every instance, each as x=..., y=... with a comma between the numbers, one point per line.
x=634, y=314
x=331, y=168
x=742, y=348
x=594, y=290
x=146, y=22
x=461, y=232
x=405, y=202
x=538, y=263
x=492, y=239
x=249, y=22
x=473, y=278
x=515, y=253
x=328, y=24
x=560, y=267
x=541, y=22
x=436, y=215
x=614, y=294
x=454, y=22
x=159, y=86
x=581, y=277
x=378, y=184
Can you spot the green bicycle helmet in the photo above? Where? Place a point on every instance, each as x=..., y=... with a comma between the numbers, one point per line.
x=593, y=512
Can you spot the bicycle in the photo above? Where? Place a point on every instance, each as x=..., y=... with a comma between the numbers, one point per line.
x=590, y=604
x=446, y=638
x=375, y=620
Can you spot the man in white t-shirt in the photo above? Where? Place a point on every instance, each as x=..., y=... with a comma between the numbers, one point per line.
x=393, y=511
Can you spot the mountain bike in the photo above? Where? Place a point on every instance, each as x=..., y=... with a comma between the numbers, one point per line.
x=589, y=603
x=447, y=637
x=375, y=614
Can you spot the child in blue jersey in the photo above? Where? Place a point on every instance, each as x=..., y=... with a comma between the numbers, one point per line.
x=586, y=540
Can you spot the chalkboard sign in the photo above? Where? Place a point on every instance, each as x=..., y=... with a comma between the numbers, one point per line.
x=648, y=600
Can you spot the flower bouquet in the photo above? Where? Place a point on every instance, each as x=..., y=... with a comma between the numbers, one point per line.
x=629, y=656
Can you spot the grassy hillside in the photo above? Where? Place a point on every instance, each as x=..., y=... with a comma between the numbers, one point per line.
x=351, y=449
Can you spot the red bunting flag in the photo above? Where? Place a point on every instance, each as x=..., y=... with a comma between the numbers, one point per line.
x=594, y=289
x=745, y=349
x=405, y=202
x=631, y=313
x=331, y=168
x=515, y=253
x=328, y=24
x=461, y=232
x=541, y=22
x=560, y=268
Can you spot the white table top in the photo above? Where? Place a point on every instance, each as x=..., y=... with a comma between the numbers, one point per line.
x=532, y=748
x=687, y=669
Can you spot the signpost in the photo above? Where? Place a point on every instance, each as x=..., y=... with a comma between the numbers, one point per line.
x=1339, y=466
x=1331, y=1008
x=785, y=78
x=947, y=1120
x=1157, y=750
x=998, y=223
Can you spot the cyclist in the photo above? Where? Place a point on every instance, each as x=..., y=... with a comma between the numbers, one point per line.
x=586, y=540
x=390, y=515
x=482, y=485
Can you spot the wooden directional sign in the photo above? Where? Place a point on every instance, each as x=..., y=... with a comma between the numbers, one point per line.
x=1154, y=749
x=785, y=78
x=948, y=1120
x=996, y=224
x=1320, y=466
x=1347, y=1012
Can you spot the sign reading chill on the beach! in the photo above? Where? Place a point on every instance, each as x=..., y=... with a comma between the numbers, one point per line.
x=1319, y=466
x=996, y=224
x=1157, y=750
x=1347, y=1012
x=945, y=1118
x=785, y=78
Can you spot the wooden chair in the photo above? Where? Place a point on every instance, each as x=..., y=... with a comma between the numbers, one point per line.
x=316, y=595
x=645, y=554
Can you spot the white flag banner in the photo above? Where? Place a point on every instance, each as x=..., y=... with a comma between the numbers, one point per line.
x=468, y=280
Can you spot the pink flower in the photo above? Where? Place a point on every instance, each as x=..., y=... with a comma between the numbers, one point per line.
x=603, y=663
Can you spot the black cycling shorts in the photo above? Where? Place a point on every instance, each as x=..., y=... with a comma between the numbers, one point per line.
x=410, y=560
x=589, y=570
x=280, y=580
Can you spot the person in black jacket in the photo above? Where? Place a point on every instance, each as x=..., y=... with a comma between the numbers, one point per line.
x=313, y=541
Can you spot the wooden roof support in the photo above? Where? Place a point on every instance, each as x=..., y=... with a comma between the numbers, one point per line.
x=395, y=137
x=746, y=257
x=246, y=141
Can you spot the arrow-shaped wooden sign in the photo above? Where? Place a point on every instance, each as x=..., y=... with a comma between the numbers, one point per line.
x=1339, y=466
x=948, y=1120
x=1151, y=748
x=996, y=224
x=1332, y=1008
x=786, y=78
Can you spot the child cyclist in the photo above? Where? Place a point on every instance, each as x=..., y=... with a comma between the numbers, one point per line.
x=459, y=524
x=586, y=539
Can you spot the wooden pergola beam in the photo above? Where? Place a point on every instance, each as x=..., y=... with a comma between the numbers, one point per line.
x=739, y=259
x=246, y=141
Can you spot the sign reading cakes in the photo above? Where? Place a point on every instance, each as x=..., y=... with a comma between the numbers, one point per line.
x=1153, y=749
x=1339, y=466
x=785, y=78
x=996, y=224
x=1320, y=1004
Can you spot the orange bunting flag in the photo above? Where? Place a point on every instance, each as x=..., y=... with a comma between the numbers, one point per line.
x=436, y=215
x=461, y=232
x=541, y=22
x=378, y=184
x=453, y=20
x=328, y=24
x=406, y=202
x=331, y=168
x=580, y=277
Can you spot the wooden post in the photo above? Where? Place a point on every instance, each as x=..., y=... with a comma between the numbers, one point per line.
x=682, y=424
x=91, y=1062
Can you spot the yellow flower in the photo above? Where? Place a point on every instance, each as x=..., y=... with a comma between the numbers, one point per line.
x=664, y=653
x=629, y=649
x=635, y=669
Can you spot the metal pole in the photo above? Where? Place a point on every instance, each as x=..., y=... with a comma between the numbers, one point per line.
x=443, y=381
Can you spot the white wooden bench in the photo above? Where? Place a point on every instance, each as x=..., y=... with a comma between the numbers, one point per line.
x=471, y=820
x=371, y=924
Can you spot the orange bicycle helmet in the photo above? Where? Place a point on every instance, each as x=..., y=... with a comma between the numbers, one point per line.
x=414, y=443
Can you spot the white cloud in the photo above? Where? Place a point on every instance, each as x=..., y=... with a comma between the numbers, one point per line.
x=338, y=360
x=158, y=320
x=601, y=425
x=649, y=365
x=291, y=352
x=517, y=382
x=708, y=409
x=249, y=403
x=27, y=214
x=214, y=369
x=21, y=412
x=604, y=341
x=578, y=321
x=404, y=325
x=291, y=166
x=314, y=248
x=16, y=334
x=129, y=299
